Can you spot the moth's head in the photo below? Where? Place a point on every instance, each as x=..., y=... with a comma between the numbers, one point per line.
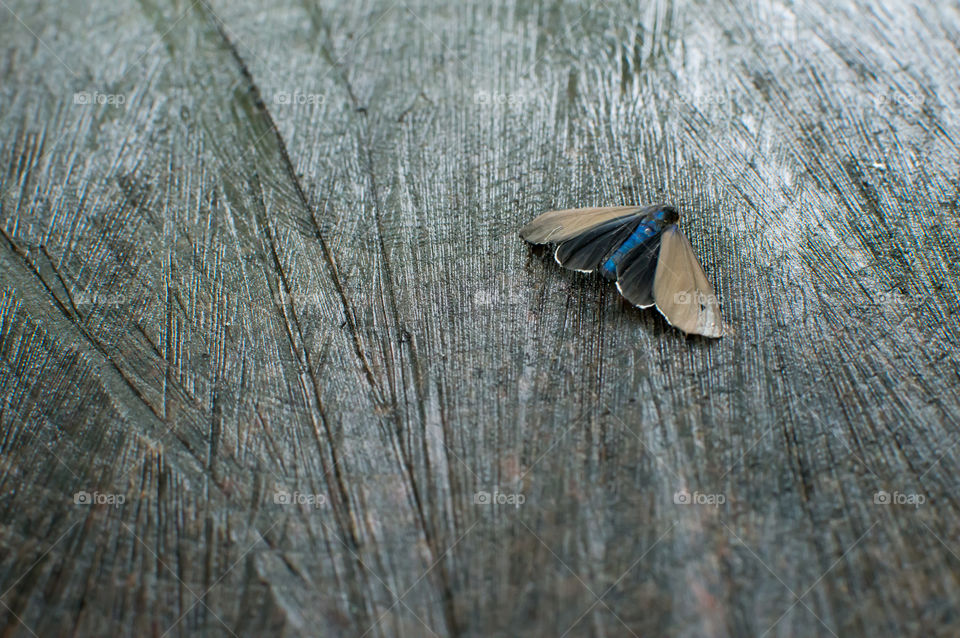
x=666, y=214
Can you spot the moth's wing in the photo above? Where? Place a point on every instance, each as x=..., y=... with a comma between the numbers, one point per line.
x=559, y=225
x=588, y=250
x=681, y=289
x=637, y=271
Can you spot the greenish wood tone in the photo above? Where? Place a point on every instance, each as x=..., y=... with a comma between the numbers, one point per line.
x=264, y=313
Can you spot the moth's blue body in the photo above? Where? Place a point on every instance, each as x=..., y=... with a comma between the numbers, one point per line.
x=646, y=229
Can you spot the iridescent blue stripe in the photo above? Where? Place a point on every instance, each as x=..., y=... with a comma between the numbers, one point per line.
x=645, y=230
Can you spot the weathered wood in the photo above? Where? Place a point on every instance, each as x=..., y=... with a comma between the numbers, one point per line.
x=253, y=252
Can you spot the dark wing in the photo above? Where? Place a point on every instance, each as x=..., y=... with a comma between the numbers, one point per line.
x=637, y=271
x=559, y=225
x=587, y=251
x=681, y=289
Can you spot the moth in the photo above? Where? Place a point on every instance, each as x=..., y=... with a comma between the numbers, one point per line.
x=644, y=251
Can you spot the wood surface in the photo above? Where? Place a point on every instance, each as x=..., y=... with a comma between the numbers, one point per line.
x=262, y=299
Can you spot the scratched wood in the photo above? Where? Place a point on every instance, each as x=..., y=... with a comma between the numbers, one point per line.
x=275, y=362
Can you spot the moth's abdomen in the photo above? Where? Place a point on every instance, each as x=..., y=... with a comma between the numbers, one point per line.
x=644, y=231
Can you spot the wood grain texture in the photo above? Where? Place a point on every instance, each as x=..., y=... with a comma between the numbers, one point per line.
x=260, y=280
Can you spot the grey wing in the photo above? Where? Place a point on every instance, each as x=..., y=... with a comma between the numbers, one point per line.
x=559, y=225
x=636, y=274
x=588, y=250
x=681, y=289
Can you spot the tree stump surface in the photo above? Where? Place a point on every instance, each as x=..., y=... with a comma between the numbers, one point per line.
x=275, y=361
